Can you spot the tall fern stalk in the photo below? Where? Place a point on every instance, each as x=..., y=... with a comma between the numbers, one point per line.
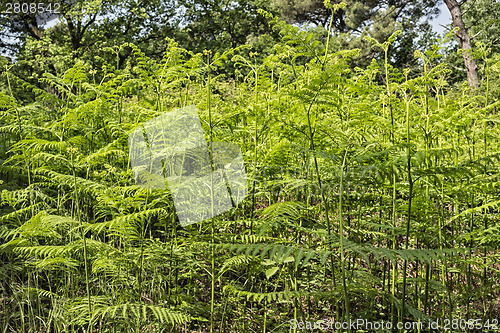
x=341, y=248
x=212, y=220
x=72, y=152
x=385, y=48
x=410, y=195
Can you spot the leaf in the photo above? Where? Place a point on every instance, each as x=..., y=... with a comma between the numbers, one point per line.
x=271, y=271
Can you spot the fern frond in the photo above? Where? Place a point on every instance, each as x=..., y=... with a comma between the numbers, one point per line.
x=483, y=208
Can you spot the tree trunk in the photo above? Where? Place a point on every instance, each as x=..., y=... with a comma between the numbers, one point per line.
x=465, y=43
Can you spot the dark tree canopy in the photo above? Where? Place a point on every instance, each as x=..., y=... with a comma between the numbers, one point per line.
x=358, y=14
x=219, y=24
x=88, y=22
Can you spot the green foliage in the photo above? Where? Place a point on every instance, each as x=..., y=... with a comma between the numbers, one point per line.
x=333, y=154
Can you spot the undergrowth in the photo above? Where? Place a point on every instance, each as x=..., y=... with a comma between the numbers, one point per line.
x=373, y=194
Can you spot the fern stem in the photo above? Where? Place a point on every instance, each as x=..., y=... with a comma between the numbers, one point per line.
x=212, y=220
x=252, y=212
x=341, y=249
x=410, y=194
x=85, y=254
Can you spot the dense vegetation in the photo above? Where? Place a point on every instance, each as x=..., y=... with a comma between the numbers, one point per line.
x=373, y=191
